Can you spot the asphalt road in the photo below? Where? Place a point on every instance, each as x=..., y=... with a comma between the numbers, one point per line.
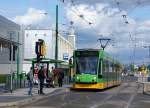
x=127, y=95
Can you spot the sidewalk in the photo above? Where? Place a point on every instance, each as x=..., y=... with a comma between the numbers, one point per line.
x=21, y=97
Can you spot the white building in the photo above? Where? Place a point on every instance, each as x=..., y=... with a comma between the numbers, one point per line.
x=10, y=35
x=65, y=47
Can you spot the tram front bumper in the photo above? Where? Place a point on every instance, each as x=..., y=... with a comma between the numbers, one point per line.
x=88, y=86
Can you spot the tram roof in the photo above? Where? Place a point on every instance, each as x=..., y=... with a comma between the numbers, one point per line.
x=107, y=55
x=87, y=49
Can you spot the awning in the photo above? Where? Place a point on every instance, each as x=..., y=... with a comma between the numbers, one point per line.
x=45, y=60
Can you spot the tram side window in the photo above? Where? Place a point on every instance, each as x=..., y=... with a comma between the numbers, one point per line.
x=99, y=70
x=116, y=68
x=104, y=66
x=113, y=67
x=110, y=67
x=107, y=66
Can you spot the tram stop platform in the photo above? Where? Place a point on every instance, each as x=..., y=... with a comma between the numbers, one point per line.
x=21, y=97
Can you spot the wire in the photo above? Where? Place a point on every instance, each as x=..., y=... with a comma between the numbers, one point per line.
x=118, y=5
x=138, y=4
x=82, y=17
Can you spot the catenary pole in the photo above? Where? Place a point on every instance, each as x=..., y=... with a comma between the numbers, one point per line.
x=56, y=46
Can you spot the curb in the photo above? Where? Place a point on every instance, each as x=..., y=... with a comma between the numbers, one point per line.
x=30, y=100
x=21, y=102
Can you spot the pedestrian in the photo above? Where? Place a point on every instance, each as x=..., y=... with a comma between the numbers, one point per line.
x=50, y=78
x=54, y=75
x=50, y=73
x=60, y=78
x=41, y=77
x=30, y=81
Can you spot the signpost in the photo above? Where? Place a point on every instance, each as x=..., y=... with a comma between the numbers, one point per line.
x=40, y=50
x=65, y=56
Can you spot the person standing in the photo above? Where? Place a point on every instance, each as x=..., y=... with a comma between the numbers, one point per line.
x=30, y=81
x=60, y=78
x=41, y=77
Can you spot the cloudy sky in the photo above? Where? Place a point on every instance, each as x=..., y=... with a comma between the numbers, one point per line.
x=125, y=22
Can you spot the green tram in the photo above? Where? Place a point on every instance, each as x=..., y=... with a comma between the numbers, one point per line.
x=94, y=69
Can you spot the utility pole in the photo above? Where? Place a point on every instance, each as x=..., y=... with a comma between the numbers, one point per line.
x=18, y=61
x=11, y=64
x=104, y=42
x=56, y=46
x=148, y=51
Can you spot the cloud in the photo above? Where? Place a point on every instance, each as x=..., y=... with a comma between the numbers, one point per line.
x=100, y=17
x=33, y=16
x=107, y=20
x=122, y=4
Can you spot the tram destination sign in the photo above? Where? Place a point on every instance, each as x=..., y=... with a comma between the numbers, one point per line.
x=86, y=53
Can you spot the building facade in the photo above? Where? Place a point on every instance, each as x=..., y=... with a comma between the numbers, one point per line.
x=10, y=44
x=65, y=47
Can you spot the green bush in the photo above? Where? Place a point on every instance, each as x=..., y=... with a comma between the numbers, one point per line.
x=2, y=78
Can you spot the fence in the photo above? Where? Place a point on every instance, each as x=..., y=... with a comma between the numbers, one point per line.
x=20, y=82
x=5, y=82
x=143, y=79
x=146, y=84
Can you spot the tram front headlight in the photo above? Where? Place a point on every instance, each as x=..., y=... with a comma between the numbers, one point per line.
x=77, y=78
x=94, y=78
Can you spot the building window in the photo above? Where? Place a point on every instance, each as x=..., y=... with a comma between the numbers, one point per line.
x=13, y=51
x=10, y=53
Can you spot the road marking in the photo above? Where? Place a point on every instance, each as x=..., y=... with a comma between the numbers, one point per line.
x=97, y=105
x=110, y=96
x=131, y=98
x=130, y=101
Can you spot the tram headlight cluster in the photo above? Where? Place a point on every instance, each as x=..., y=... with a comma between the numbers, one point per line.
x=77, y=78
x=94, y=78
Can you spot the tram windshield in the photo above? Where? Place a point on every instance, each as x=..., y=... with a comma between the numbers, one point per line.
x=86, y=65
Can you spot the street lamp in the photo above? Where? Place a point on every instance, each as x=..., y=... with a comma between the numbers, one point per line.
x=104, y=42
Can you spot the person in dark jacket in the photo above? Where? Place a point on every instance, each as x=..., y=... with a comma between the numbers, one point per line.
x=41, y=77
x=30, y=81
x=60, y=78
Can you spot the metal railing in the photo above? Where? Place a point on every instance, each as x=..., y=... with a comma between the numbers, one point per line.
x=19, y=82
x=145, y=81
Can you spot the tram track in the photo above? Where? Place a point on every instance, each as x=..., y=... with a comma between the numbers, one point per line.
x=132, y=97
x=122, y=96
x=109, y=99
